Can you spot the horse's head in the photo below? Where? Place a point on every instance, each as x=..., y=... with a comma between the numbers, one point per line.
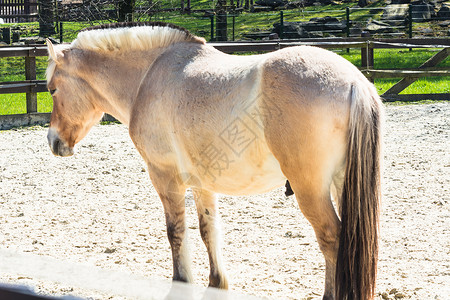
x=74, y=111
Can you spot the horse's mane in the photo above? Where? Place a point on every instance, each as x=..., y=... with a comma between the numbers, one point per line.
x=132, y=36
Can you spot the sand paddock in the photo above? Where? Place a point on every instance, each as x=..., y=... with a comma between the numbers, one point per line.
x=99, y=208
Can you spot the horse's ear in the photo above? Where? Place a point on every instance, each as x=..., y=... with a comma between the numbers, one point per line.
x=51, y=50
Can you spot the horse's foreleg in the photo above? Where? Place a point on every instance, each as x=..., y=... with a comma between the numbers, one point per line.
x=208, y=217
x=171, y=191
x=317, y=207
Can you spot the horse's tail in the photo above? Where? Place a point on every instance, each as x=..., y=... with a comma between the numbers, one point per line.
x=356, y=267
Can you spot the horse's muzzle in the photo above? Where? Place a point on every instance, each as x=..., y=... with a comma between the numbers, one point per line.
x=59, y=147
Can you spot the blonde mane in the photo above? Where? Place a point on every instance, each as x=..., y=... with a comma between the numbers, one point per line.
x=132, y=36
x=125, y=37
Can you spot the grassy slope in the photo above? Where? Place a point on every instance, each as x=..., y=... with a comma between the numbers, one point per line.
x=246, y=22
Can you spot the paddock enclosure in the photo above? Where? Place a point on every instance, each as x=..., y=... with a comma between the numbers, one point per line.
x=99, y=208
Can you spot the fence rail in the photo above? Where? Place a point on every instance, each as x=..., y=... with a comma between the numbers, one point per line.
x=15, y=11
x=31, y=86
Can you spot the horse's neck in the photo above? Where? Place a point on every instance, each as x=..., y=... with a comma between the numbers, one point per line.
x=117, y=79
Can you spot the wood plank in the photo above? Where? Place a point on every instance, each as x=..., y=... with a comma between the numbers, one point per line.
x=20, y=16
x=436, y=59
x=246, y=47
x=415, y=41
x=405, y=82
x=404, y=73
x=31, y=86
x=269, y=45
x=326, y=45
x=23, y=51
x=30, y=75
x=416, y=97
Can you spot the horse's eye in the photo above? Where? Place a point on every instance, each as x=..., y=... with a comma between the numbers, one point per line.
x=52, y=91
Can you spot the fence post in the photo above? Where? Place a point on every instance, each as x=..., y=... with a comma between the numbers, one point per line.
x=234, y=24
x=347, y=16
x=30, y=74
x=26, y=7
x=212, y=27
x=57, y=13
x=61, y=32
x=367, y=52
x=347, y=24
x=46, y=18
x=221, y=20
x=281, y=24
x=6, y=33
x=15, y=36
x=410, y=21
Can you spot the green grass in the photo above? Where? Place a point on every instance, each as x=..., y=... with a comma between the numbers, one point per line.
x=395, y=58
x=405, y=59
x=45, y=102
x=16, y=103
x=422, y=86
x=12, y=104
x=11, y=70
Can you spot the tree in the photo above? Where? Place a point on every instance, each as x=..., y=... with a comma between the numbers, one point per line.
x=125, y=9
x=46, y=18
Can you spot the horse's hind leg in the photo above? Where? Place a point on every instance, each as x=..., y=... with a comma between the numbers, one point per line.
x=208, y=217
x=171, y=191
x=315, y=204
x=310, y=166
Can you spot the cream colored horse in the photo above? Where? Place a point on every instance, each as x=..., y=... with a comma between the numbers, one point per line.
x=237, y=125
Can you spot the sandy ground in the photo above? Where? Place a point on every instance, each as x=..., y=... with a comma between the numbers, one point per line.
x=99, y=208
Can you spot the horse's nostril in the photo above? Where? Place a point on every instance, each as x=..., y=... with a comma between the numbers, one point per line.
x=56, y=144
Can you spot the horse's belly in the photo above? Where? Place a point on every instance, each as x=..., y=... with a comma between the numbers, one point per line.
x=253, y=172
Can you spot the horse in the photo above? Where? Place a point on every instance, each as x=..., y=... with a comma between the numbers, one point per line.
x=236, y=125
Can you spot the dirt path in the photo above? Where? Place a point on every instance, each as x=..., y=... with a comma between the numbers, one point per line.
x=99, y=208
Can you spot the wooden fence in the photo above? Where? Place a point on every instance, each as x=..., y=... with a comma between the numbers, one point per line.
x=367, y=46
x=31, y=86
x=16, y=11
